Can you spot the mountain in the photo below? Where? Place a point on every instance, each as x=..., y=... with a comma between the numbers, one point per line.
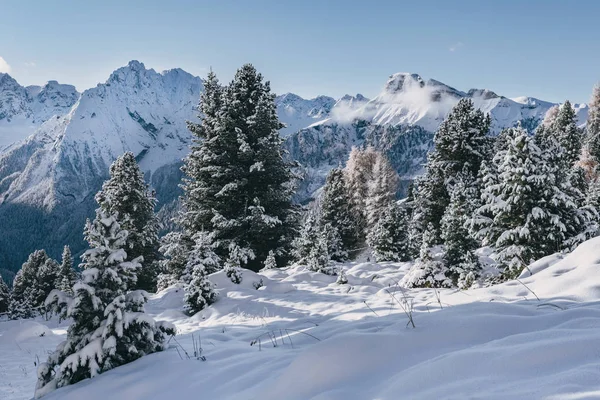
x=56, y=144
x=24, y=109
x=401, y=121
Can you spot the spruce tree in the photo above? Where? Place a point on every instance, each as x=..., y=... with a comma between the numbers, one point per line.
x=126, y=195
x=318, y=260
x=305, y=241
x=66, y=275
x=237, y=183
x=428, y=271
x=109, y=326
x=592, y=127
x=336, y=211
x=381, y=191
x=175, y=248
x=202, y=261
x=389, y=237
x=4, y=296
x=32, y=284
x=459, y=247
x=270, y=262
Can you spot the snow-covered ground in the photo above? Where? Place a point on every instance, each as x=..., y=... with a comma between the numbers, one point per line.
x=302, y=336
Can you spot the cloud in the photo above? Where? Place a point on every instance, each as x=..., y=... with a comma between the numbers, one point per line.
x=456, y=46
x=30, y=64
x=4, y=67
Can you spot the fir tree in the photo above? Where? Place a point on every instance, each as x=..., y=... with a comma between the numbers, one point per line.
x=238, y=256
x=318, y=260
x=459, y=247
x=175, y=247
x=592, y=128
x=381, y=191
x=306, y=239
x=336, y=212
x=4, y=296
x=237, y=183
x=342, y=279
x=335, y=245
x=32, y=284
x=389, y=237
x=270, y=262
x=199, y=292
x=66, y=275
x=109, y=326
x=428, y=271
x=126, y=195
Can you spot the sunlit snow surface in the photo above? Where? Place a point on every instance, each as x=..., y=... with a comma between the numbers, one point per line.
x=302, y=336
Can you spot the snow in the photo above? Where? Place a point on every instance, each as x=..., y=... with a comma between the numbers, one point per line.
x=303, y=336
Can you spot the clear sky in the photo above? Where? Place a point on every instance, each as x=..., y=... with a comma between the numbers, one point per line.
x=547, y=49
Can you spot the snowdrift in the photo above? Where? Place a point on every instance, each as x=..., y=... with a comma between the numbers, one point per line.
x=302, y=336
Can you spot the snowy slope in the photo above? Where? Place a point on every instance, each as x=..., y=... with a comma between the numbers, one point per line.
x=24, y=109
x=302, y=336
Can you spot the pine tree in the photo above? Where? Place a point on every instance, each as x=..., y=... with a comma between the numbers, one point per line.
x=306, y=239
x=459, y=247
x=428, y=271
x=335, y=245
x=592, y=128
x=126, y=195
x=238, y=256
x=531, y=208
x=237, y=183
x=175, y=248
x=563, y=128
x=109, y=325
x=318, y=260
x=336, y=212
x=4, y=296
x=32, y=284
x=66, y=275
x=199, y=291
x=381, y=191
x=389, y=237
x=342, y=279
x=270, y=262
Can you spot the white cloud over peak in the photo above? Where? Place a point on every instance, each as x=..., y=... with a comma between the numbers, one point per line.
x=4, y=66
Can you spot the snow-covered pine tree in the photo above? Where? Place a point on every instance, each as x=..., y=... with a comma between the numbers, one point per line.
x=563, y=128
x=357, y=175
x=66, y=275
x=4, y=296
x=175, y=247
x=461, y=145
x=318, y=259
x=462, y=264
x=389, y=237
x=237, y=183
x=202, y=261
x=126, y=195
x=335, y=245
x=32, y=284
x=305, y=241
x=381, y=190
x=238, y=256
x=270, y=262
x=527, y=204
x=592, y=127
x=428, y=271
x=336, y=212
x=109, y=326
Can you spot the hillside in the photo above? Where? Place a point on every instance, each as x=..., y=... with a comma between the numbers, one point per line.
x=302, y=336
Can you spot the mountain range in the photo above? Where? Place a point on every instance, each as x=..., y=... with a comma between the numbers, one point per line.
x=56, y=144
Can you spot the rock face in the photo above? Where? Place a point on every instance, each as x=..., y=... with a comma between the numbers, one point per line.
x=56, y=144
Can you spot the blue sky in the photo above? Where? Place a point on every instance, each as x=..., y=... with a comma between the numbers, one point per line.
x=547, y=49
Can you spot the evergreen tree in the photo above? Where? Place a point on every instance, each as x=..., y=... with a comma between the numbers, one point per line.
x=342, y=279
x=4, y=296
x=66, y=275
x=459, y=247
x=428, y=271
x=336, y=211
x=335, y=245
x=199, y=292
x=109, y=325
x=237, y=183
x=389, y=237
x=175, y=247
x=592, y=128
x=238, y=256
x=357, y=175
x=531, y=209
x=270, y=262
x=318, y=260
x=32, y=284
x=307, y=237
x=381, y=191
x=126, y=195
